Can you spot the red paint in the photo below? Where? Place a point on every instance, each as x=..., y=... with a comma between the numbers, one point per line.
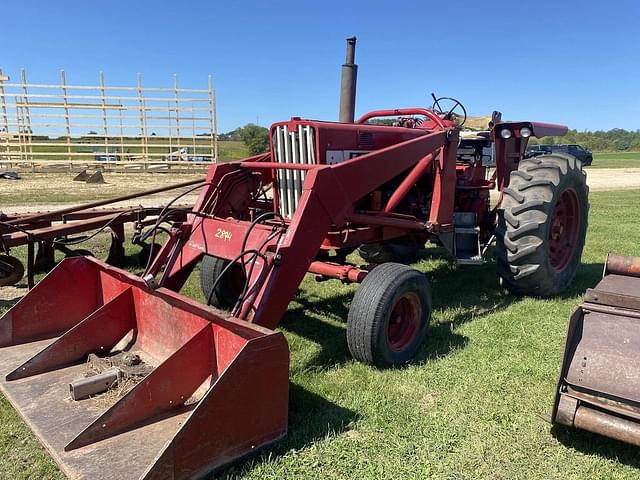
x=404, y=321
x=383, y=183
x=564, y=230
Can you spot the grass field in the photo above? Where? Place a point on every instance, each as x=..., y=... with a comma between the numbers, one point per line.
x=468, y=407
x=227, y=149
x=616, y=160
x=231, y=150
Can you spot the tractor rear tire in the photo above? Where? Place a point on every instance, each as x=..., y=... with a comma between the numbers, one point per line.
x=542, y=225
x=228, y=289
x=389, y=315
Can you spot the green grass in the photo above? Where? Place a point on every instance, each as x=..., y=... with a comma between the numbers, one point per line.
x=468, y=407
x=616, y=160
x=232, y=150
x=227, y=150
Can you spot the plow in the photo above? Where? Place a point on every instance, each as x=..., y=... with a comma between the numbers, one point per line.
x=215, y=381
x=44, y=233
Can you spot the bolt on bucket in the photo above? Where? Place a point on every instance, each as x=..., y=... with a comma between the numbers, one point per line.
x=599, y=385
x=205, y=390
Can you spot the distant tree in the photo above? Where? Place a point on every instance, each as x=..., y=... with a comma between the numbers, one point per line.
x=616, y=139
x=621, y=144
x=92, y=132
x=255, y=137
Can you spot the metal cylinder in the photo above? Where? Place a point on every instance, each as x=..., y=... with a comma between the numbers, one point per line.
x=85, y=387
x=608, y=425
x=622, y=265
x=348, y=84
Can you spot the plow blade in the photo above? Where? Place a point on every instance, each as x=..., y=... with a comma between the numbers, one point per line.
x=599, y=386
x=214, y=389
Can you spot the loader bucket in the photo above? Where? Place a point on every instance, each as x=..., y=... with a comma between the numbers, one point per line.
x=216, y=388
x=599, y=386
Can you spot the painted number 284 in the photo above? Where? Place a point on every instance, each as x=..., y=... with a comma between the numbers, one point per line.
x=223, y=234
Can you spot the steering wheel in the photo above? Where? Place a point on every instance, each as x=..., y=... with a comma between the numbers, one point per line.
x=449, y=114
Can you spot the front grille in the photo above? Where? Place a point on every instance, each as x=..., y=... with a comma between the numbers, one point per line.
x=365, y=140
x=292, y=147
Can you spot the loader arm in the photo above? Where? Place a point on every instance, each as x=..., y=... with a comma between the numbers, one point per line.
x=288, y=249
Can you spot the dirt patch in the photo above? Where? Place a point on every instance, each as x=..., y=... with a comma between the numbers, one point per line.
x=10, y=295
x=41, y=192
x=613, y=179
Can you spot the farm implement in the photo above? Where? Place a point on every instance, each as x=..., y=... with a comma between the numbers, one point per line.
x=599, y=387
x=45, y=232
x=215, y=381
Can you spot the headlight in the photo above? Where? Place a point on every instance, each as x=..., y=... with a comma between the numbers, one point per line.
x=505, y=133
x=525, y=132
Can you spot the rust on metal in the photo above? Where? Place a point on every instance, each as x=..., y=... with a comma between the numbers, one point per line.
x=217, y=388
x=622, y=265
x=599, y=385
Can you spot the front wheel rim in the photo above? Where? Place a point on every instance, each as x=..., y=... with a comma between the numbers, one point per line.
x=404, y=321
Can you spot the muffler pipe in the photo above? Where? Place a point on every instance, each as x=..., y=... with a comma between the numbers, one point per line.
x=348, y=84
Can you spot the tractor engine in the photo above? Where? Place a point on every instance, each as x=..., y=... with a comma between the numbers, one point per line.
x=312, y=142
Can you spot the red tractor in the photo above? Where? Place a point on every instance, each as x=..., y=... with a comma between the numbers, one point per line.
x=326, y=189
x=383, y=185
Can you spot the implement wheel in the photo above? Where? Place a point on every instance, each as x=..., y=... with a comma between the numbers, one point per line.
x=389, y=315
x=11, y=270
x=542, y=225
x=228, y=289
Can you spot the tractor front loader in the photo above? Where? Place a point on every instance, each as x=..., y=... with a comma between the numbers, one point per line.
x=201, y=386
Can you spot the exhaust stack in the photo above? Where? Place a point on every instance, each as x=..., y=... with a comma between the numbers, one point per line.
x=348, y=84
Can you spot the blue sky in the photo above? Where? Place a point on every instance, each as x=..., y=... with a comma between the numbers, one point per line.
x=568, y=62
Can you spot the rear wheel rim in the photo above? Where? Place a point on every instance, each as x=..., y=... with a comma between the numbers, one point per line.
x=564, y=231
x=404, y=321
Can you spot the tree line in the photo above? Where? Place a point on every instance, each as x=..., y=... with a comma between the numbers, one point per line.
x=256, y=138
x=613, y=140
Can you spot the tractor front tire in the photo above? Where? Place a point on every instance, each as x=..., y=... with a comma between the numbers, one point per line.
x=228, y=289
x=542, y=224
x=389, y=315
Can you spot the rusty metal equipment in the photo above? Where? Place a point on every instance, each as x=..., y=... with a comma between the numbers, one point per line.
x=218, y=387
x=383, y=185
x=599, y=385
x=46, y=230
x=89, y=176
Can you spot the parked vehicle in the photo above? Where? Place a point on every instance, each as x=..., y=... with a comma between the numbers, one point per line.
x=583, y=154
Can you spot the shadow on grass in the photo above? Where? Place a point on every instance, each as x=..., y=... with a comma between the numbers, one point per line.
x=594, y=444
x=311, y=418
x=12, y=294
x=460, y=294
x=587, y=276
x=331, y=338
x=470, y=294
